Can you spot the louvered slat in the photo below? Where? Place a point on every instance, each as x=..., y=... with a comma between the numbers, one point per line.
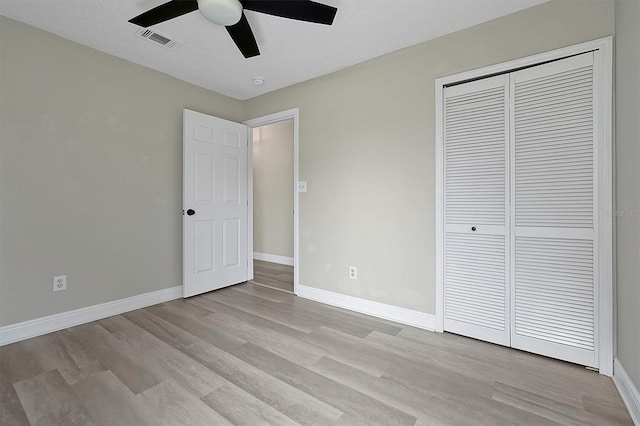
x=558, y=161
x=475, y=271
x=546, y=309
x=475, y=163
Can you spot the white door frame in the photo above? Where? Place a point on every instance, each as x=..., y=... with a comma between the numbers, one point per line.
x=290, y=114
x=603, y=70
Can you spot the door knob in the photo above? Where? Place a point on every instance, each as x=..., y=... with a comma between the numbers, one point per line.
x=473, y=228
x=191, y=212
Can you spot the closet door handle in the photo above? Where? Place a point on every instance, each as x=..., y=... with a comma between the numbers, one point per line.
x=473, y=228
x=191, y=212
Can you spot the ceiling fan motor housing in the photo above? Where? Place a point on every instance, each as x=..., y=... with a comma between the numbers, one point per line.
x=221, y=12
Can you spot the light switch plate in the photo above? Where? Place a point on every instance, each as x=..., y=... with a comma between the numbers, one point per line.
x=302, y=186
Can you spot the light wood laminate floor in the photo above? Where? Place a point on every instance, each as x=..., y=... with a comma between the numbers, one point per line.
x=249, y=355
x=273, y=275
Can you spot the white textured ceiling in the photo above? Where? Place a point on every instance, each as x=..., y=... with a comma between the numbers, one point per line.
x=291, y=51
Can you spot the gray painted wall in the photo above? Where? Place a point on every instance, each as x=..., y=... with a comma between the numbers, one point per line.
x=628, y=185
x=273, y=189
x=90, y=173
x=367, y=150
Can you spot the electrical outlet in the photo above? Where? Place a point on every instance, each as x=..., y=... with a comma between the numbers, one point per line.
x=353, y=272
x=60, y=283
x=302, y=186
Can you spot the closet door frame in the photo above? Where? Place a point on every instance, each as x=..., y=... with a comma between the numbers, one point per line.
x=603, y=79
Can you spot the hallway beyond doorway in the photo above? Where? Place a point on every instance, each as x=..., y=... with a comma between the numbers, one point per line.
x=273, y=275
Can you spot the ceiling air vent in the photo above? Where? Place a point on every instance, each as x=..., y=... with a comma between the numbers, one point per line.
x=158, y=38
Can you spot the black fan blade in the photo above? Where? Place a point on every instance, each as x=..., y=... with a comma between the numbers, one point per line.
x=302, y=10
x=243, y=37
x=164, y=12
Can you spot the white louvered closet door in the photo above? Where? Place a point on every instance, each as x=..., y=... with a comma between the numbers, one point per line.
x=476, y=294
x=553, y=188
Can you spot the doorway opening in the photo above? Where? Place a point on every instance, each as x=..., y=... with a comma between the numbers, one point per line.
x=273, y=211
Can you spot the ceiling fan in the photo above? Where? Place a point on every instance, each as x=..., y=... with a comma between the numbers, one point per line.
x=230, y=14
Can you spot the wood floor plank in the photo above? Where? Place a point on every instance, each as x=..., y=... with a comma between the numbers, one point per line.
x=289, y=400
x=196, y=326
x=470, y=396
x=175, y=406
x=549, y=377
x=274, y=275
x=264, y=292
x=457, y=361
x=166, y=362
x=58, y=350
x=141, y=360
x=346, y=399
x=248, y=317
x=506, y=359
x=271, y=311
x=11, y=411
x=282, y=397
x=545, y=407
x=271, y=282
x=110, y=402
x=426, y=410
x=349, y=322
x=243, y=409
x=278, y=343
x=49, y=400
x=499, y=414
x=306, y=318
x=160, y=328
x=471, y=362
x=359, y=353
x=517, y=368
x=128, y=366
x=115, y=323
x=333, y=314
x=186, y=308
x=605, y=406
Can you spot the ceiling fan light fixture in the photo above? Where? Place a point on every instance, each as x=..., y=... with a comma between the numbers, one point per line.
x=221, y=12
x=229, y=13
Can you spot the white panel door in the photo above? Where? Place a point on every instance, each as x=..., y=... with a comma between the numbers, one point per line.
x=476, y=272
x=215, y=216
x=554, y=191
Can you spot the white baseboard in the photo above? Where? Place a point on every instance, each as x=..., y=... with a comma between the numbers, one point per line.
x=273, y=258
x=375, y=309
x=39, y=326
x=628, y=391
